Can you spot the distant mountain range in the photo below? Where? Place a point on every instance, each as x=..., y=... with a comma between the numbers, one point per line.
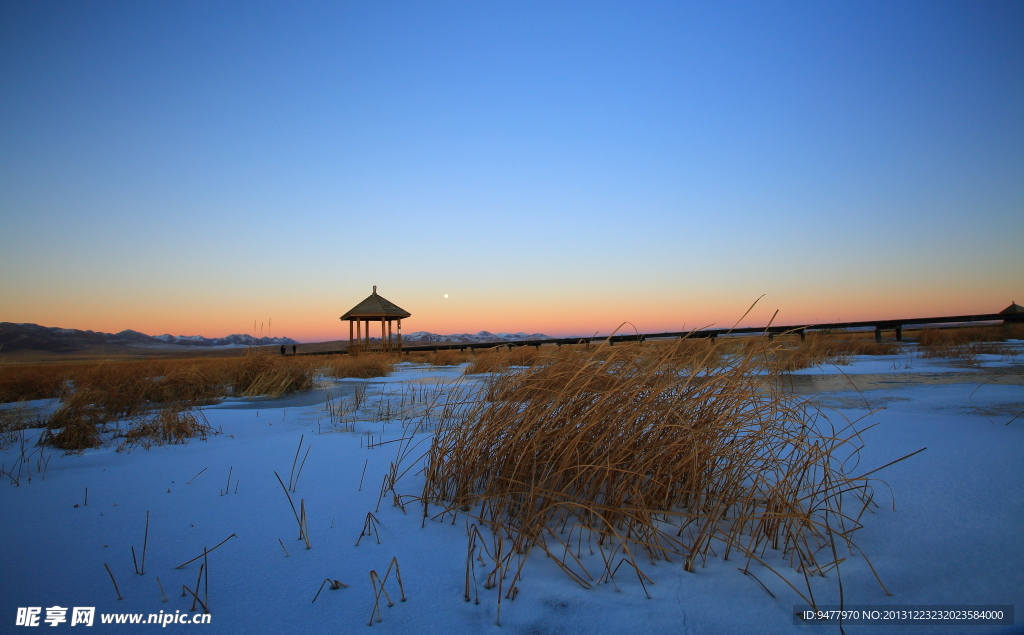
x=479, y=338
x=58, y=340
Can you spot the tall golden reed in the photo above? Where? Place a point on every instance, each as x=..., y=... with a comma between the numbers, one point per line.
x=660, y=451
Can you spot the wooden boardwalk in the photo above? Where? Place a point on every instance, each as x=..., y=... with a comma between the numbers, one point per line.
x=798, y=329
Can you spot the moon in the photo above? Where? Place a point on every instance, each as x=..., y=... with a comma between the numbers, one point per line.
x=446, y=295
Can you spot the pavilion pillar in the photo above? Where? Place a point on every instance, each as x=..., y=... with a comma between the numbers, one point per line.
x=389, y=335
x=359, y=335
x=350, y=336
x=383, y=337
x=399, y=335
x=899, y=333
x=878, y=334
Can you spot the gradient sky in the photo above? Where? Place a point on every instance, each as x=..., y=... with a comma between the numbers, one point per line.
x=195, y=168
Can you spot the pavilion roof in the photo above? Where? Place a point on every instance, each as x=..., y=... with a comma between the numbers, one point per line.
x=1013, y=308
x=375, y=306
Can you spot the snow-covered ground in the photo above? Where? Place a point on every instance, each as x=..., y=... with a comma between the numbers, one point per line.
x=954, y=537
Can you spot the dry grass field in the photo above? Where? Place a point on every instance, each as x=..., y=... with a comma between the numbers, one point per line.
x=158, y=396
x=966, y=344
x=136, y=377
x=94, y=392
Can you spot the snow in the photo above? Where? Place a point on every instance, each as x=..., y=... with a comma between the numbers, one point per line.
x=911, y=363
x=952, y=539
x=478, y=338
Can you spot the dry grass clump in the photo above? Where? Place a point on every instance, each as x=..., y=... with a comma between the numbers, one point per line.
x=262, y=374
x=636, y=452
x=1014, y=331
x=447, y=358
x=966, y=344
x=79, y=421
x=450, y=357
x=967, y=352
x=14, y=419
x=75, y=435
x=824, y=349
x=80, y=425
x=522, y=356
x=192, y=383
x=174, y=424
x=358, y=366
x=496, y=360
x=115, y=389
x=128, y=388
x=488, y=362
x=415, y=357
x=29, y=382
x=703, y=351
x=930, y=337
x=93, y=395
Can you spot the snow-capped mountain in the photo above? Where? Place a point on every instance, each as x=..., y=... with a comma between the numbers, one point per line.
x=482, y=336
x=238, y=339
x=229, y=340
x=49, y=338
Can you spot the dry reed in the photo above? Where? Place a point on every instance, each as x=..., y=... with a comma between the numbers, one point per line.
x=378, y=588
x=126, y=388
x=491, y=362
x=78, y=421
x=967, y=352
x=206, y=551
x=357, y=366
x=966, y=344
x=29, y=382
x=496, y=360
x=333, y=584
x=13, y=420
x=369, y=525
x=452, y=357
x=665, y=451
x=156, y=396
x=110, y=573
x=261, y=374
x=965, y=335
x=170, y=425
x=820, y=349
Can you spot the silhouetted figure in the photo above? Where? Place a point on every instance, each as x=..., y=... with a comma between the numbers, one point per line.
x=293, y=349
x=282, y=349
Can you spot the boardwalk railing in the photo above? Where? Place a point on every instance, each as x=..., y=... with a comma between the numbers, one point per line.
x=771, y=331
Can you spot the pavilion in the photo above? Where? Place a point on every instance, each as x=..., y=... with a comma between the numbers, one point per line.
x=374, y=308
x=1014, y=308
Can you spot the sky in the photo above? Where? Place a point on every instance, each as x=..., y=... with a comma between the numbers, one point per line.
x=256, y=167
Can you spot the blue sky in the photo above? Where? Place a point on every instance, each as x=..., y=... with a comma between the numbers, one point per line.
x=554, y=167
